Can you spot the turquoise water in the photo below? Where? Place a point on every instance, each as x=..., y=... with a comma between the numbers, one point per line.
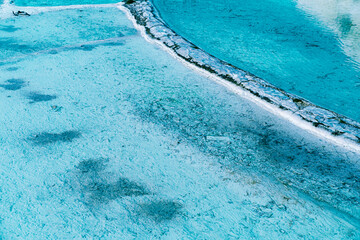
x=80, y=27
x=77, y=28
x=104, y=135
x=315, y=58
x=61, y=2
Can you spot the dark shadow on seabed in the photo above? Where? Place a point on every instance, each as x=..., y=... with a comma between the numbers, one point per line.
x=323, y=172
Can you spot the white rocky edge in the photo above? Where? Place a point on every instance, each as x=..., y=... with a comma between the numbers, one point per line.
x=317, y=120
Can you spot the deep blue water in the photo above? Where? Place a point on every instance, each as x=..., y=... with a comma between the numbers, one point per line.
x=279, y=42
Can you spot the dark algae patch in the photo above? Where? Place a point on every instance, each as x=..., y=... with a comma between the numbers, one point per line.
x=96, y=185
x=92, y=165
x=12, y=69
x=99, y=185
x=8, y=28
x=38, y=97
x=87, y=47
x=162, y=210
x=103, y=192
x=47, y=138
x=13, y=84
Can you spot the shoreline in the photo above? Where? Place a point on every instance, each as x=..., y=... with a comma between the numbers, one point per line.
x=316, y=120
x=319, y=121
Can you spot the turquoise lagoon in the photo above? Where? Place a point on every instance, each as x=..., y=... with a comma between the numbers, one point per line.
x=309, y=48
x=104, y=135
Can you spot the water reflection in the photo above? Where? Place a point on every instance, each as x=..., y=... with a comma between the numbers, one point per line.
x=308, y=48
x=343, y=18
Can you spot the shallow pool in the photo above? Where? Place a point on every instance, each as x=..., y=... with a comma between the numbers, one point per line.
x=104, y=135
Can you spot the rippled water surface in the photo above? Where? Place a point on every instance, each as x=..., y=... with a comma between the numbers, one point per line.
x=301, y=47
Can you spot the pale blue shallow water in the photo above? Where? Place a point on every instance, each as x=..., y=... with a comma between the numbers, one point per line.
x=61, y=2
x=82, y=26
x=104, y=135
x=280, y=42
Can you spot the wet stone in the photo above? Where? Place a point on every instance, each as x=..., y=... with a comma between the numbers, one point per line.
x=129, y=1
x=56, y=108
x=46, y=138
x=13, y=84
